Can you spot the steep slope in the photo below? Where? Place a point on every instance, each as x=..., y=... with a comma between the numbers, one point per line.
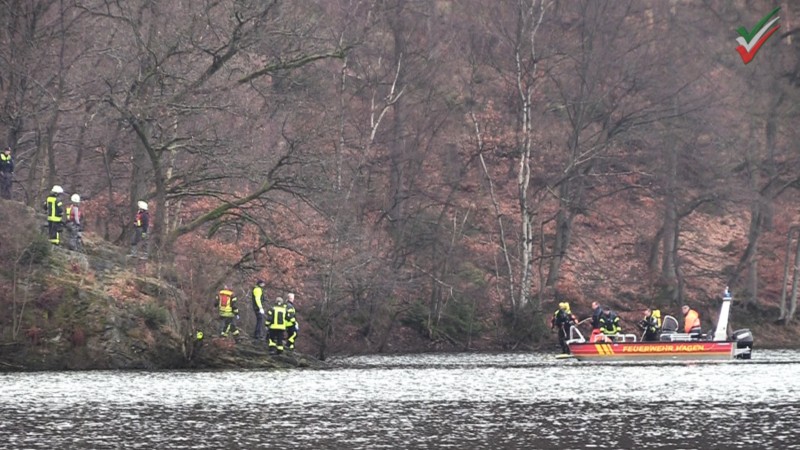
x=100, y=310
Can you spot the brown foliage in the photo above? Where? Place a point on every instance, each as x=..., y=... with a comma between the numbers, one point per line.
x=50, y=298
x=34, y=335
x=77, y=337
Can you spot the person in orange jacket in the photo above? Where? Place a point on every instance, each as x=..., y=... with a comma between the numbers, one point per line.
x=691, y=321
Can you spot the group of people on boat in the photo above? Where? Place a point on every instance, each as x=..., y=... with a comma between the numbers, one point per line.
x=606, y=323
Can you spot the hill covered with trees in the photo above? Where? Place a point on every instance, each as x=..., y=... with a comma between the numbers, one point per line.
x=422, y=174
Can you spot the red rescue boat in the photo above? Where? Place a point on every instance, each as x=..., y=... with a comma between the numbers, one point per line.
x=671, y=346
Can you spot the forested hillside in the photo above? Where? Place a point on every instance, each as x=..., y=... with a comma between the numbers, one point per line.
x=421, y=173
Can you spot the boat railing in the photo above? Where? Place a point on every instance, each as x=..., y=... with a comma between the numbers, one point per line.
x=677, y=337
x=623, y=337
x=575, y=336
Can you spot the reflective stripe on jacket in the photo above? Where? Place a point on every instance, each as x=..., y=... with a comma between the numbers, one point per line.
x=610, y=324
x=276, y=317
x=6, y=163
x=54, y=209
x=291, y=318
x=227, y=303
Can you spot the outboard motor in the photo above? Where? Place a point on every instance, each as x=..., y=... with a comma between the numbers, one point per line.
x=744, y=343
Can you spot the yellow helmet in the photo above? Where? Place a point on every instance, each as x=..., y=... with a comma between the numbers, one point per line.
x=563, y=305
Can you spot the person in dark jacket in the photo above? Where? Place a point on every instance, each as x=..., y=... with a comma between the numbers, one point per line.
x=562, y=320
x=258, y=309
x=292, y=327
x=609, y=324
x=276, y=321
x=6, y=173
x=651, y=324
x=597, y=311
x=54, y=208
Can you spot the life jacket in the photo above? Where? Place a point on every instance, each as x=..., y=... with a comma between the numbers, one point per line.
x=692, y=320
x=226, y=306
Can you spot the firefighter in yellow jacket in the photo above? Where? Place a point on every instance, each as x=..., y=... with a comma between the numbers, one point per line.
x=292, y=327
x=54, y=208
x=277, y=322
x=228, y=311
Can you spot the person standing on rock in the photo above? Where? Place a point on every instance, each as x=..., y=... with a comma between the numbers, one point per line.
x=54, y=209
x=276, y=320
x=74, y=222
x=292, y=326
x=258, y=308
x=228, y=312
x=140, y=226
x=6, y=173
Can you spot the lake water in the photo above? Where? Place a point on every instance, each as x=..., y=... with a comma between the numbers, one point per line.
x=432, y=401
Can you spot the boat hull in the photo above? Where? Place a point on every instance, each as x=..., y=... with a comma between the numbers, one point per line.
x=654, y=351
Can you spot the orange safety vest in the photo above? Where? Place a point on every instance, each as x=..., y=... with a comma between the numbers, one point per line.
x=691, y=320
x=226, y=303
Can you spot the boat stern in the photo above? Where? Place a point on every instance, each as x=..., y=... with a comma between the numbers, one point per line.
x=744, y=343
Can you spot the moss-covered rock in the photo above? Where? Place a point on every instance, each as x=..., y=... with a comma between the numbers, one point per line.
x=100, y=310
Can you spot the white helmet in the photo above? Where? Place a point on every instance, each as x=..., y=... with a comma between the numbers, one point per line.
x=142, y=205
x=75, y=198
x=57, y=190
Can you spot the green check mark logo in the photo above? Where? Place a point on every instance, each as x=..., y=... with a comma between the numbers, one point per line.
x=750, y=41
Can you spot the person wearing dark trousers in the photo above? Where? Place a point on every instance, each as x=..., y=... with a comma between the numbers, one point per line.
x=54, y=209
x=140, y=226
x=74, y=223
x=258, y=308
x=597, y=311
x=651, y=325
x=562, y=320
x=276, y=321
x=292, y=326
x=6, y=173
x=228, y=312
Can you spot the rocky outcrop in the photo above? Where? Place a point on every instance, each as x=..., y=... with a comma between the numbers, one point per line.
x=103, y=310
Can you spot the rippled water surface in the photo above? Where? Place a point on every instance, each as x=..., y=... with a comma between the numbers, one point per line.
x=463, y=401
